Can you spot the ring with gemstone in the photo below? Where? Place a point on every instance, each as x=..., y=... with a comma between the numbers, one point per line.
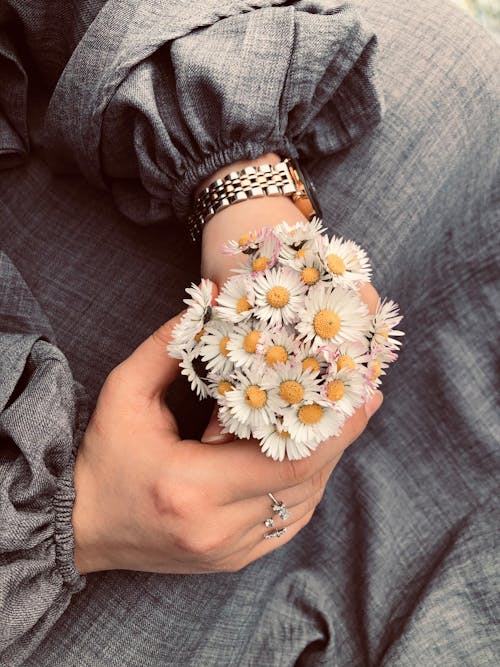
x=276, y=533
x=269, y=523
x=279, y=507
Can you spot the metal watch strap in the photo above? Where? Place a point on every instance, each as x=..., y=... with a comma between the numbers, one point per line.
x=259, y=181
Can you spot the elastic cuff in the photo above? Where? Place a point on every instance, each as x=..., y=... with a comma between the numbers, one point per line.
x=182, y=194
x=63, y=503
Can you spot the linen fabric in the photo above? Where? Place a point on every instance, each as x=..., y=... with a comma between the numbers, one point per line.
x=399, y=565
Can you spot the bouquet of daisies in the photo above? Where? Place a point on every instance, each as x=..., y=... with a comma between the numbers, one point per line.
x=289, y=350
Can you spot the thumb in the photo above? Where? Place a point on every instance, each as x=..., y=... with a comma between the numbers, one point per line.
x=150, y=367
x=213, y=432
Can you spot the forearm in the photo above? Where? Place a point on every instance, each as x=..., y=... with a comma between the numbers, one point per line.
x=238, y=219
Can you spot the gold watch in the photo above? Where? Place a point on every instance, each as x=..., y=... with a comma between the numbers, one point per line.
x=285, y=178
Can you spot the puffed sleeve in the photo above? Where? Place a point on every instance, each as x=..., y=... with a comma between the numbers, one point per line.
x=43, y=415
x=158, y=95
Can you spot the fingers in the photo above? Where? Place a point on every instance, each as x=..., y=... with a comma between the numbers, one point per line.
x=243, y=472
x=213, y=432
x=370, y=296
x=149, y=368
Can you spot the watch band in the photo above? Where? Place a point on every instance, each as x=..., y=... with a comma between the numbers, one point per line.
x=259, y=181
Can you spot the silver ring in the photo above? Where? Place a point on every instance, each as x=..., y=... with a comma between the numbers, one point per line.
x=276, y=533
x=269, y=523
x=279, y=507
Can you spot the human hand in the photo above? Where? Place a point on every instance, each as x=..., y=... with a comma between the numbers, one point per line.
x=148, y=501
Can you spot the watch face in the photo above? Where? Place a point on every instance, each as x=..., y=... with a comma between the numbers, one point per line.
x=308, y=186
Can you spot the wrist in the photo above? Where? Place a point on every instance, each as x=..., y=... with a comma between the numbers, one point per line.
x=239, y=219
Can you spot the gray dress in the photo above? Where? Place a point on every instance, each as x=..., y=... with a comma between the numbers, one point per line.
x=393, y=106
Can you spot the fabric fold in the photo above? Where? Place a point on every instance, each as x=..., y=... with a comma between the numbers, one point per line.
x=156, y=97
x=43, y=415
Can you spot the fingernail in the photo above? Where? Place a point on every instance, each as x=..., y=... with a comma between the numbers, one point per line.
x=373, y=403
x=221, y=438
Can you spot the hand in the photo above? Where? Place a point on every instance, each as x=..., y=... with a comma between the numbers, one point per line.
x=148, y=501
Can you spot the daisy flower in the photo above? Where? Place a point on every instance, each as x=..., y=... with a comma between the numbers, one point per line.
x=314, y=359
x=246, y=244
x=276, y=345
x=279, y=296
x=236, y=299
x=199, y=305
x=345, y=262
x=213, y=349
x=310, y=424
x=374, y=370
x=188, y=331
x=193, y=367
x=383, y=329
x=309, y=267
x=264, y=257
x=243, y=341
x=249, y=402
x=292, y=385
x=296, y=238
x=219, y=385
x=333, y=315
x=350, y=355
x=275, y=442
x=231, y=423
x=345, y=389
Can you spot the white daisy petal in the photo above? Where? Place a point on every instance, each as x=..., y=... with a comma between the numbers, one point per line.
x=277, y=345
x=312, y=423
x=292, y=385
x=276, y=443
x=383, y=330
x=345, y=389
x=235, y=300
x=249, y=402
x=346, y=262
x=333, y=315
x=279, y=296
x=265, y=257
x=213, y=350
x=243, y=342
x=192, y=366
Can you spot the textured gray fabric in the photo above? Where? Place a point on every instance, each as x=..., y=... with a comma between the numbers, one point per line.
x=171, y=103
x=42, y=419
x=399, y=565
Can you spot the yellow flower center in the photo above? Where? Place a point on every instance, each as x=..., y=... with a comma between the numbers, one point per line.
x=275, y=354
x=244, y=240
x=310, y=362
x=300, y=253
x=199, y=335
x=255, y=396
x=260, y=263
x=310, y=414
x=278, y=296
x=224, y=386
x=282, y=434
x=345, y=361
x=326, y=323
x=250, y=341
x=376, y=368
x=335, y=390
x=291, y=391
x=310, y=275
x=335, y=264
x=242, y=304
x=223, y=346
